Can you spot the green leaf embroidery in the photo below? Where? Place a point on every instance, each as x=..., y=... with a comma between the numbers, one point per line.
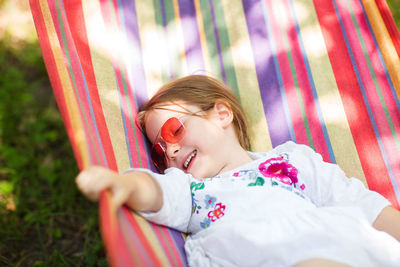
x=259, y=182
x=196, y=186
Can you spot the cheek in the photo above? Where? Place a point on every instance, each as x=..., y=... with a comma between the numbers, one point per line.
x=202, y=136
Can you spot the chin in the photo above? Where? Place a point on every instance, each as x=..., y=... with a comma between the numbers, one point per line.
x=201, y=175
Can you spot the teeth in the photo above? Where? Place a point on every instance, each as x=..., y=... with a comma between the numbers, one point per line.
x=189, y=159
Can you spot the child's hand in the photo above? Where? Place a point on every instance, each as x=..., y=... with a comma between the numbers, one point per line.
x=95, y=179
x=136, y=189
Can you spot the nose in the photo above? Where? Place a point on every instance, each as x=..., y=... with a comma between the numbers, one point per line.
x=172, y=150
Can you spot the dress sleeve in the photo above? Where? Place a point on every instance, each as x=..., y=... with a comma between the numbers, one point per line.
x=177, y=201
x=327, y=184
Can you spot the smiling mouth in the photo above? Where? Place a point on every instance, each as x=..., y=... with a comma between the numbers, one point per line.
x=189, y=159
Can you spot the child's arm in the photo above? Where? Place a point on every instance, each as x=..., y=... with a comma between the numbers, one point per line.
x=136, y=189
x=389, y=221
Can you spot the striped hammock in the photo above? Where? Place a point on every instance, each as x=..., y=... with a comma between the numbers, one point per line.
x=325, y=73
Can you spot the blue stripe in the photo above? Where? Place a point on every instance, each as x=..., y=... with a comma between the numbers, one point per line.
x=278, y=74
x=88, y=100
x=312, y=85
x=389, y=79
x=382, y=61
x=131, y=237
x=367, y=105
x=136, y=76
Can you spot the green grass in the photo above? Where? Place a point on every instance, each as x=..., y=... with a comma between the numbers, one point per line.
x=394, y=6
x=44, y=220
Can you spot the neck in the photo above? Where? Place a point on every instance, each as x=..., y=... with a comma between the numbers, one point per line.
x=237, y=156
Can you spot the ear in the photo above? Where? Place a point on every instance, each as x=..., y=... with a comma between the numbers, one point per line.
x=224, y=113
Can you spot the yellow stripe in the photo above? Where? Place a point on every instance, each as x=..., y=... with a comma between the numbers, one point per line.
x=154, y=53
x=385, y=43
x=211, y=62
x=243, y=61
x=67, y=89
x=152, y=238
x=329, y=99
x=102, y=43
x=178, y=40
x=203, y=41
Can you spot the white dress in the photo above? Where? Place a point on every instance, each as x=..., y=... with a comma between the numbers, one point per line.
x=284, y=207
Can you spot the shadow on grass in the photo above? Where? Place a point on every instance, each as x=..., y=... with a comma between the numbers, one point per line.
x=44, y=220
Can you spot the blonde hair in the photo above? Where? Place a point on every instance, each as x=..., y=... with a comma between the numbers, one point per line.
x=203, y=92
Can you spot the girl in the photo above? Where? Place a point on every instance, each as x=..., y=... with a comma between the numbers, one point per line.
x=284, y=207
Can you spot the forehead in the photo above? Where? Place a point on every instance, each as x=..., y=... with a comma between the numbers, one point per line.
x=157, y=117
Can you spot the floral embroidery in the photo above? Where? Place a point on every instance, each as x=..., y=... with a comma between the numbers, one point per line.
x=194, y=187
x=217, y=213
x=209, y=201
x=240, y=173
x=280, y=169
x=285, y=156
x=259, y=182
x=206, y=223
x=195, y=207
x=302, y=187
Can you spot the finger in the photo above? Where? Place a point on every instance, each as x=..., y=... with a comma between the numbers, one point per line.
x=92, y=181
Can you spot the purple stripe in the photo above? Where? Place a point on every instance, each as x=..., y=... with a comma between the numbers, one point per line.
x=179, y=243
x=136, y=76
x=128, y=231
x=191, y=36
x=266, y=73
x=214, y=21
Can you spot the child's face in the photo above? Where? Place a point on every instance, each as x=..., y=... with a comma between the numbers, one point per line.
x=199, y=151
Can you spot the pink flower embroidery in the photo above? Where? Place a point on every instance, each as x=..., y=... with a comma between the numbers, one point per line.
x=280, y=169
x=302, y=187
x=217, y=213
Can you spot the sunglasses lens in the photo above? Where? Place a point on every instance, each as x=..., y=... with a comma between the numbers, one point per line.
x=173, y=130
x=158, y=157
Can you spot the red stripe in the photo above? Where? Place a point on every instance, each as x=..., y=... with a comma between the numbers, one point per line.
x=364, y=138
x=117, y=250
x=139, y=137
x=166, y=243
x=287, y=78
x=135, y=248
x=377, y=66
x=389, y=23
x=173, y=246
x=55, y=19
x=95, y=148
x=144, y=242
x=305, y=89
x=382, y=123
x=74, y=13
x=53, y=75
